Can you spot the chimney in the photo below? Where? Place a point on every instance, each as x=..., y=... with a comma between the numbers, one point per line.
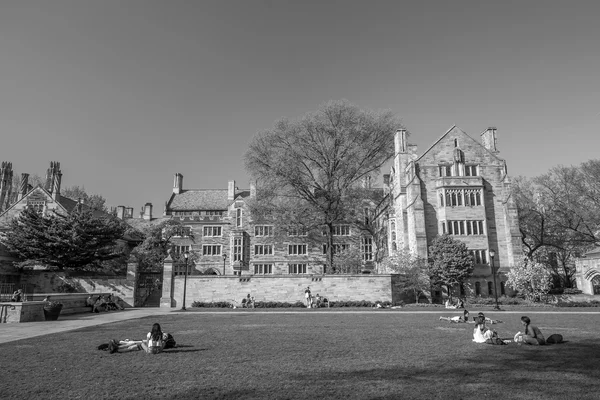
x=400, y=143
x=121, y=212
x=147, y=211
x=48, y=184
x=231, y=191
x=24, y=188
x=488, y=139
x=5, y=181
x=178, y=183
x=56, y=186
x=128, y=212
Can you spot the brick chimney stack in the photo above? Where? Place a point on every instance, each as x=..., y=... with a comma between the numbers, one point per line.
x=147, y=211
x=488, y=139
x=178, y=183
x=231, y=190
x=24, y=186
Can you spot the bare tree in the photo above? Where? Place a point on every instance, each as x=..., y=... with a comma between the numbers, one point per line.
x=315, y=163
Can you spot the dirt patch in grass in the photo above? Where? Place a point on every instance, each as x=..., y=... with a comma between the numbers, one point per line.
x=316, y=356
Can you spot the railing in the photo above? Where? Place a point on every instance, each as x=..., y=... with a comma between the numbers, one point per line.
x=7, y=290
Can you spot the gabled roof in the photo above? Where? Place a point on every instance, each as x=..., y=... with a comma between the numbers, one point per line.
x=203, y=199
x=44, y=191
x=455, y=128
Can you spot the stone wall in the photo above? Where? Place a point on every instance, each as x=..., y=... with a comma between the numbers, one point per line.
x=21, y=312
x=55, y=282
x=586, y=269
x=283, y=288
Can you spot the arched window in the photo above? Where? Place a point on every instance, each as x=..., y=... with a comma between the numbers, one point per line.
x=393, y=235
x=477, y=289
x=394, y=246
x=441, y=200
x=490, y=288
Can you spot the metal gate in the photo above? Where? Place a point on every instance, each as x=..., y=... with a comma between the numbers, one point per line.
x=148, y=289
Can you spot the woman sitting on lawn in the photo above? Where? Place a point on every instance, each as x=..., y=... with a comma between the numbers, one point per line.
x=532, y=334
x=155, y=343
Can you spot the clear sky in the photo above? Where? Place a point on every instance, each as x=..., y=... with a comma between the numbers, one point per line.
x=127, y=93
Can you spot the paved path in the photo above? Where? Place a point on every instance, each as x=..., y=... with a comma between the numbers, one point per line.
x=26, y=330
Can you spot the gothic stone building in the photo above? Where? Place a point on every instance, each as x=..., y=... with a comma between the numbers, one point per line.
x=459, y=186
x=218, y=227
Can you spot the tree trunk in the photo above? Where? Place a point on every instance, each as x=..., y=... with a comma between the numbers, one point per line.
x=330, y=248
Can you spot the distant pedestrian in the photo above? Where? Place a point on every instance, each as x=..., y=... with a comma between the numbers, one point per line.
x=308, y=297
x=17, y=296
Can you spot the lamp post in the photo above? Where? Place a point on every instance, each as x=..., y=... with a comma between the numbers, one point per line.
x=492, y=255
x=224, y=258
x=185, y=255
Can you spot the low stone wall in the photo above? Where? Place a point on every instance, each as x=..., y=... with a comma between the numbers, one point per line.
x=30, y=311
x=54, y=283
x=283, y=288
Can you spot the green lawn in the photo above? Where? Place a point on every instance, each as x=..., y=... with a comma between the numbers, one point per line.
x=314, y=355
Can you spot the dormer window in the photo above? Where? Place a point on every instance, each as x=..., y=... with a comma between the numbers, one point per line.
x=445, y=170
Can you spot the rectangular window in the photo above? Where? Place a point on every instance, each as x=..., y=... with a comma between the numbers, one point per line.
x=337, y=248
x=237, y=248
x=341, y=230
x=182, y=231
x=471, y=170
x=263, y=269
x=367, y=248
x=211, y=249
x=445, y=170
x=238, y=217
x=212, y=231
x=296, y=268
x=297, y=231
x=296, y=249
x=180, y=249
x=263, y=230
x=263, y=249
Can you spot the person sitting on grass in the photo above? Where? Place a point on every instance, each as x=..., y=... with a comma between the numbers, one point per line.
x=458, y=318
x=155, y=342
x=448, y=304
x=481, y=334
x=532, y=334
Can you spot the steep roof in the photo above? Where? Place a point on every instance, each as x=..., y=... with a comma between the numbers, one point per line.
x=202, y=199
x=455, y=128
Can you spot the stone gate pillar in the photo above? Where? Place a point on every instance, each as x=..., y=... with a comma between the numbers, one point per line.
x=166, y=301
x=132, y=273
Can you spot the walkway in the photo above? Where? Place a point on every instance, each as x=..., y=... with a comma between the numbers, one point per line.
x=26, y=330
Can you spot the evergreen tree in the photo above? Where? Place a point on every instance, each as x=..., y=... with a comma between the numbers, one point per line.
x=75, y=241
x=450, y=262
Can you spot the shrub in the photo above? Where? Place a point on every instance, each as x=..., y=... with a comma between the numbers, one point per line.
x=594, y=303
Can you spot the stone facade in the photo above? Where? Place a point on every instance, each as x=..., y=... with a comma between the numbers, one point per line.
x=458, y=186
x=219, y=228
x=587, y=272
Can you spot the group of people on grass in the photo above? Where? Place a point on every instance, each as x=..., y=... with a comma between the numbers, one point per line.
x=102, y=303
x=156, y=341
x=531, y=335
x=314, y=302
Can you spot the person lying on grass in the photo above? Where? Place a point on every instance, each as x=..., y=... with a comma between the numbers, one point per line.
x=458, y=318
x=532, y=334
x=481, y=334
x=491, y=321
x=155, y=343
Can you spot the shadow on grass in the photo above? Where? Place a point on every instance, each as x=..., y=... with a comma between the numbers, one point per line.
x=176, y=350
x=536, y=372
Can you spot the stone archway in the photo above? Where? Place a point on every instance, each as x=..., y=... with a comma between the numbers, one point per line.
x=211, y=271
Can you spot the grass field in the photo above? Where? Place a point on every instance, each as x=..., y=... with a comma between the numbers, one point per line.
x=309, y=355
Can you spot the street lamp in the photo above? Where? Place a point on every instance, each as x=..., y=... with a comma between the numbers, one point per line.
x=492, y=255
x=224, y=258
x=185, y=255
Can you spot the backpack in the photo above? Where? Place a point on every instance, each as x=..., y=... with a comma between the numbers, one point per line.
x=170, y=342
x=554, y=339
